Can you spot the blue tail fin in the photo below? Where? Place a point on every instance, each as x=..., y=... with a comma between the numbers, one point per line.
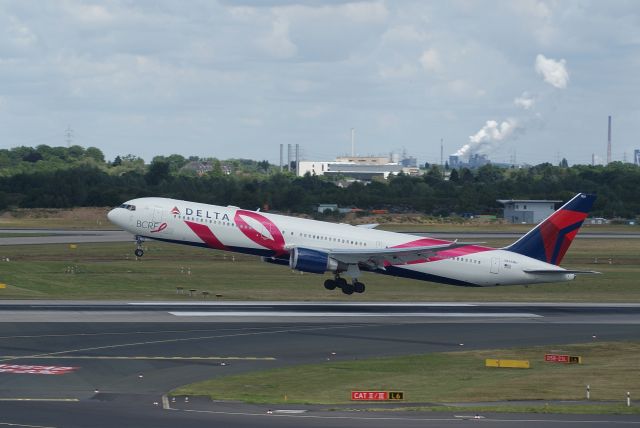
x=550, y=240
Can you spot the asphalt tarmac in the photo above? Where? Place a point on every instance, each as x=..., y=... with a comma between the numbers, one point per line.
x=113, y=367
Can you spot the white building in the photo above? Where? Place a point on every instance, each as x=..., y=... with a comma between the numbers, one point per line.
x=526, y=210
x=360, y=171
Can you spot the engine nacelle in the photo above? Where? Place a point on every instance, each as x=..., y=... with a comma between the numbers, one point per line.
x=276, y=261
x=313, y=261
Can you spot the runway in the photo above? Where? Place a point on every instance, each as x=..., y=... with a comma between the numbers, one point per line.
x=269, y=312
x=118, y=365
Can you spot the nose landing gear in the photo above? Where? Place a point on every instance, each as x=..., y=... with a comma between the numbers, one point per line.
x=139, y=252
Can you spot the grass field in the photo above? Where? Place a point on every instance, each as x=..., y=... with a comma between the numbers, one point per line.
x=110, y=271
x=611, y=369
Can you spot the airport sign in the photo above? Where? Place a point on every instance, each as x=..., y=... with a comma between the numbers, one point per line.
x=376, y=395
x=562, y=358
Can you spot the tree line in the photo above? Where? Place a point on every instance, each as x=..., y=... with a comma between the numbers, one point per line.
x=58, y=177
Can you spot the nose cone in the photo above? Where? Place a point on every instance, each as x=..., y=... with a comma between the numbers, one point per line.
x=115, y=216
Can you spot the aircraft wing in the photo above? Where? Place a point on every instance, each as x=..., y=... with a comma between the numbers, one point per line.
x=378, y=258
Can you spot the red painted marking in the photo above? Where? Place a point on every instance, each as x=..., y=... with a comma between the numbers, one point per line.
x=564, y=218
x=444, y=254
x=550, y=232
x=565, y=245
x=276, y=244
x=175, y=211
x=556, y=358
x=41, y=370
x=203, y=232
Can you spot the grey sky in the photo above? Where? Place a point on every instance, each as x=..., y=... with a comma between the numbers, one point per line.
x=534, y=79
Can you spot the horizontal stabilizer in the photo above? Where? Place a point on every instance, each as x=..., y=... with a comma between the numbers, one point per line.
x=557, y=271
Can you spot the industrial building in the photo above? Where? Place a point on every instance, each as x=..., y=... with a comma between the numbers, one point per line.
x=476, y=160
x=527, y=211
x=364, y=168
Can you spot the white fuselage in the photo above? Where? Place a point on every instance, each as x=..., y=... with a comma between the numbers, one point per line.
x=233, y=229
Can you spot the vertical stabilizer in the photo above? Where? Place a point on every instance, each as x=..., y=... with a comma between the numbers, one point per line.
x=550, y=240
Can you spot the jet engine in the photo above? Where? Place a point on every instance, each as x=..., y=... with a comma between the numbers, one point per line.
x=313, y=261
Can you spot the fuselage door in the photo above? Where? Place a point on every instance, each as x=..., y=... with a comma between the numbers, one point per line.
x=495, y=265
x=158, y=214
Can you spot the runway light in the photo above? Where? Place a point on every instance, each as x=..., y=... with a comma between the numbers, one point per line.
x=594, y=336
x=461, y=344
x=140, y=376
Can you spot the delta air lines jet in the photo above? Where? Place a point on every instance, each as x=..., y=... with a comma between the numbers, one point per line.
x=344, y=250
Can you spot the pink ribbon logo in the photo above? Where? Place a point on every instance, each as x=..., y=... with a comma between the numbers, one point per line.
x=160, y=228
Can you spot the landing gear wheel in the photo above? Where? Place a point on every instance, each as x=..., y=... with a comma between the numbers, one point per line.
x=358, y=287
x=330, y=284
x=341, y=282
x=347, y=288
x=139, y=252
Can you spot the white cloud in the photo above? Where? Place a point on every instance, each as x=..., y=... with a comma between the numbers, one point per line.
x=430, y=60
x=533, y=8
x=525, y=101
x=404, y=34
x=312, y=112
x=277, y=43
x=554, y=72
x=19, y=33
x=403, y=71
x=366, y=11
x=252, y=121
x=91, y=13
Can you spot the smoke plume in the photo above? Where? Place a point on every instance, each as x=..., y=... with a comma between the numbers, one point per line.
x=526, y=101
x=488, y=137
x=554, y=72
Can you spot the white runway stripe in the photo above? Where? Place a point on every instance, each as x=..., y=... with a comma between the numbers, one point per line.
x=351, y=314
x=294, y=303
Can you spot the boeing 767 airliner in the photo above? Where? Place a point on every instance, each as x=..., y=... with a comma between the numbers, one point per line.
x=344, y=250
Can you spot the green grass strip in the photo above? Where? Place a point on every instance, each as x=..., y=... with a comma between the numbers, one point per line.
x=611, y=369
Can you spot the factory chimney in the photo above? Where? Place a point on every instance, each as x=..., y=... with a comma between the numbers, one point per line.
x=609, y=143
x=353, y=142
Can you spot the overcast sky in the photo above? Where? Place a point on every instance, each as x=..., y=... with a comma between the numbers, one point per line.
x=530, y=79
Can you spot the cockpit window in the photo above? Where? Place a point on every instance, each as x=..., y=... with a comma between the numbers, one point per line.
x=128, y=207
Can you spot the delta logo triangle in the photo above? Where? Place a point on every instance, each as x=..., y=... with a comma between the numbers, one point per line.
x=175, y=211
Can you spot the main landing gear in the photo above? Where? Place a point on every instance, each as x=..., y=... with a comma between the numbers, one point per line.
x=346, y=287
x=139, y=252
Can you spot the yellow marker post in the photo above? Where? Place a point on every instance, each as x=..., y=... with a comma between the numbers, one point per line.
x=73, y=246
x=512, y=364
x=3, y=285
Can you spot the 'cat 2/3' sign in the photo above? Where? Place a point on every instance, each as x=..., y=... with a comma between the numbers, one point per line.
x=376, y=395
